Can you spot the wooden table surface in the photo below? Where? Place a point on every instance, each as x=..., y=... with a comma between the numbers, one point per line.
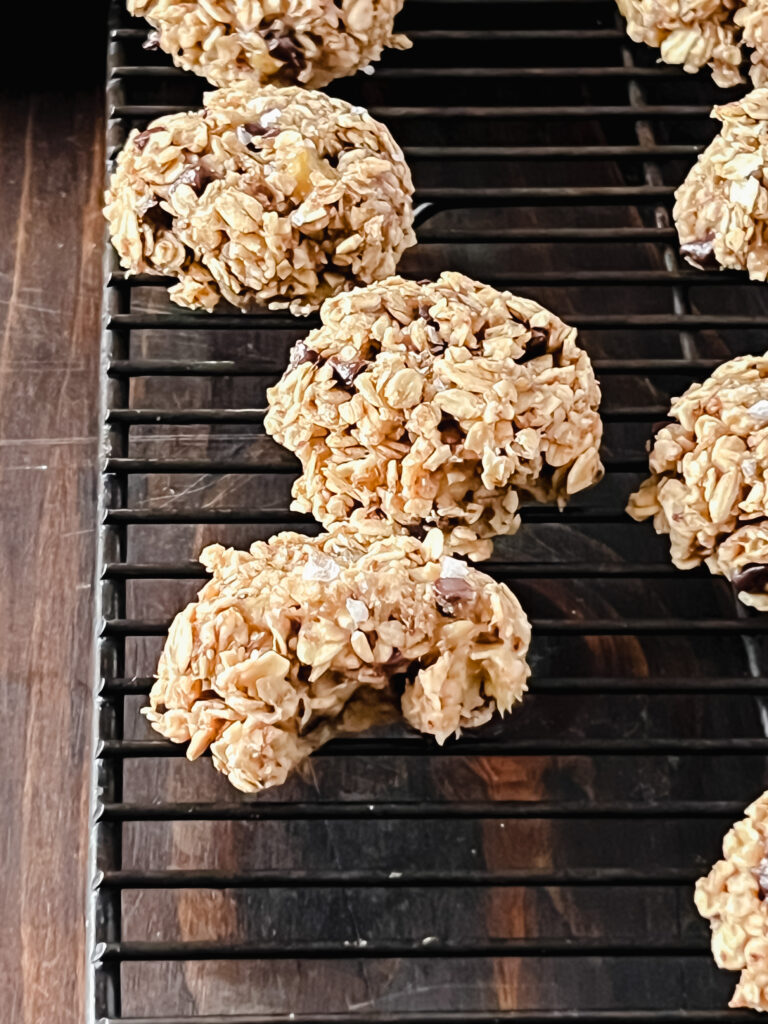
x=51, y=174
x=51, y=178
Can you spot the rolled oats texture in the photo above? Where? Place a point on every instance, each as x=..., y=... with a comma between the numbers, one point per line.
x=272, y=42
x=438, y=403
x=709, y=465
x=693, y=33
x=732, y=898
x=301, y=638
x=721, y=209
x=267, y=197
x=752, y=18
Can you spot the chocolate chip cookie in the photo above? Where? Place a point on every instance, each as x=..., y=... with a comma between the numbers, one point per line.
x=267, y=197
x=301, y=638
x=733, y=898
x=708, y=485
x=721, y=209
x=438, y=403
x=281, y=42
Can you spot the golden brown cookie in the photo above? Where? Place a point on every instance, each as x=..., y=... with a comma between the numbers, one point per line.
x=708, y=485
x=439, y=403
x=272, y=42
x=301, y=638
x=721, y=209
x=267, y=197
x=733, y=898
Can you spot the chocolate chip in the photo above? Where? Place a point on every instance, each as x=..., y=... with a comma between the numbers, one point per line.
x=254, y=128
x=143, y=137
x=265, y=196
x=301, y=354
x=700, y=253
x=450, y=431
x=450, y=592
x=537, y=345
x=437, y=345
x=158, y=218
x=752, y=579
x=761, y=874
x=425, y=315
x=208, y=695
x=152, y=42
x=346, y=371
x=197, y=177
x=246, y=133
x=419, y=531
x=282, y=46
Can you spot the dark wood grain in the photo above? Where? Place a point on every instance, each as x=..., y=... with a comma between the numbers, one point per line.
x=352, y=916
x=51, y=172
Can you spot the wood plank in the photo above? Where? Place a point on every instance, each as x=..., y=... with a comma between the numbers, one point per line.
x=51, y=171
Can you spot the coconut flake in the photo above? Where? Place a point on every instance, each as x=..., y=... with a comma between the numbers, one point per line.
x=358, y=610
x=749, y=467
x=453, y=569
x=759, y=410
x=321, y=568
x=270, y=117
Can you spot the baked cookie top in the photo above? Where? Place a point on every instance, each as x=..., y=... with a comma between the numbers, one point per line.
x=267, y=197
x=300, y=638
x=707, y=490
x=272, y=42
x=721, y=209
x=438, y=403
x=733, y=898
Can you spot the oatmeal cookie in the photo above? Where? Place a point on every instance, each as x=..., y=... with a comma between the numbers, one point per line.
x=276, y=197
x=752, y=18
x=721, y=208
x=733, y=898
x=272, y=42
x=692, y=33
x=710, y=467
x=438, y=403
x=301, y=638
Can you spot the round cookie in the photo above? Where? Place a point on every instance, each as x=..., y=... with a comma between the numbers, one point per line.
x=733, y=898
x=710, y=468
x=301, y=638
x=438, y=403
x=273, y=42
x=692, y=34
x=721, y=209
x=752, y=19
x=276, y=197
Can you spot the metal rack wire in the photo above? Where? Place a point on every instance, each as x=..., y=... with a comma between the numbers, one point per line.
x=540, y=868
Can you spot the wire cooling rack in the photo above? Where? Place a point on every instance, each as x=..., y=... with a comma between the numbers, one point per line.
x=542, y=867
